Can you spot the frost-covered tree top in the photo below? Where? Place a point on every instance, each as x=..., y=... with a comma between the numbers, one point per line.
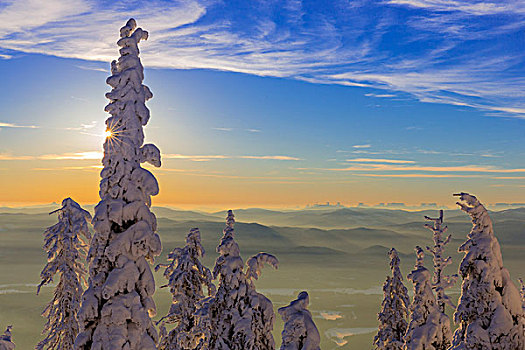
x=5, y=340
x=239, y=317
x=394, y=309
x=490, y=313
x=187, y=277
x=429, y=328
x=118, y=305
x=300, y=331
x=440, y=281
x=66, y=251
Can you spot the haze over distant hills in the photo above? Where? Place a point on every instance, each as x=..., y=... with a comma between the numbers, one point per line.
x=338, y=254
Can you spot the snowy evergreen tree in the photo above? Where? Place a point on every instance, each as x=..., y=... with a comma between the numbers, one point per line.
x=522, y=293
x=394, y=309
x=117, y=306
x=300, y=331
x=239, y=317
x=429, y=328
x=440, y=281
x=490, y=313
x=186, y=278
x=66, y=251
x=6, y=343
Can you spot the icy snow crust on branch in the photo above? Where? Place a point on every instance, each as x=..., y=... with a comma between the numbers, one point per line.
x=118, y=304
x=300, y=331
x=429, y=328
x=490, y=313
x=186, y=277
x=5, y=340
x=239, y=318
x=66, y=247
x=394, y=309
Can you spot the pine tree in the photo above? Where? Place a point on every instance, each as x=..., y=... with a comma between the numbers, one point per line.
x=66, y=248
x=186, y=278
x=239, y=317
x=6, y=343
x=117, y=306
x=490, y=313
x=300, y=331
x=440, y=281
x=522, y=293
x=394, y=309
x=429, y=328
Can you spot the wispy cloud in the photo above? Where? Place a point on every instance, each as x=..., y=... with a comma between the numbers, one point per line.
x=11, y=125
x=362, y=146
x=379, y=160
x=453, y=52
x=204, y=158
x=223, y=129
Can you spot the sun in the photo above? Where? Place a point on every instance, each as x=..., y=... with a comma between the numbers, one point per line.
x=108, y=133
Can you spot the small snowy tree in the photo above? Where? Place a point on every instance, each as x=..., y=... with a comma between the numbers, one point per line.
x=186, y=277
x=429, y=328
x=490, y=313
x=239, y=317
x=65, y=246
x=440, y=281
x=5, y=340
x=118, y=305
x=522, y=293
x=300, y=331
x=394, y=309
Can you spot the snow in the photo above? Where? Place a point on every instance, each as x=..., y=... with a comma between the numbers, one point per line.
x=66, y=250
x=5, y=340
x=187, y=277
x=394, y=309
x=238, y=317
x=490, y=313
x=522, y=293
x=300, y=331
x=117, y=306
x=429, y=328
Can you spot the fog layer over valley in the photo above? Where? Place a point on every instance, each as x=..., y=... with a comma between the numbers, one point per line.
x=338, y=255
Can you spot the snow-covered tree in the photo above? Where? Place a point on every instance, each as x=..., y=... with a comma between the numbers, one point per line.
x=6, y=343
x=238, y=316
x=440, y=281
x=187, y=277
x=490, y=313
x=300, y=331
x=117, y=306
x=429, y=328
x=66, y=251
x=394, y=309
x=522, y=293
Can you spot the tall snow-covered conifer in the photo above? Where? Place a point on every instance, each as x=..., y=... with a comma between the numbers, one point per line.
x=490, y=313
x=118, y=304
x=394, y=309
x=239, y=317
x=300, y=331
x=429, y=328
x=186, y=277
x=6, y=343
x=66, y=251
x=440, y=281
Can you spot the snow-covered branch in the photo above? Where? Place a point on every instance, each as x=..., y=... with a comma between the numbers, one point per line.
x=6, y=343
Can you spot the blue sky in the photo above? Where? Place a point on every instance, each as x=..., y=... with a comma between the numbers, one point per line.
x=277, y=102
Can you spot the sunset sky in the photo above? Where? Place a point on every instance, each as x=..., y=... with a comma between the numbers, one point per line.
x=272, y=103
